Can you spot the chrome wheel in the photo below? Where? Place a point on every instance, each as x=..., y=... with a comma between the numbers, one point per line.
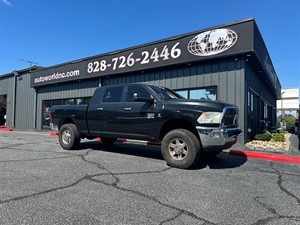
x=181, y=148
x=66, y=137
x=69, y=137
x=178, y=149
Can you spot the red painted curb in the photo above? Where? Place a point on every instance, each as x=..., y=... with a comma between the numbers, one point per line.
x=5, y=129
x=259, y=155
x=53, y=134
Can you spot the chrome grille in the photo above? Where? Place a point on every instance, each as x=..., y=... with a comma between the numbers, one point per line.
x=230, y=117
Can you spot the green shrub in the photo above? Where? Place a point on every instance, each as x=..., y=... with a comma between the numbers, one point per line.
x=278, y=137
x=283, y=132
x=263, y=137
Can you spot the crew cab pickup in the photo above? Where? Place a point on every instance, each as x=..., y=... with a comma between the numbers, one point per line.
x=187, y=129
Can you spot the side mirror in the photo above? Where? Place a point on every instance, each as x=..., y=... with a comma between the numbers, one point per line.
x=142, y=98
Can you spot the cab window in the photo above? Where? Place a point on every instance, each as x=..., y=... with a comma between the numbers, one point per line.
x=113, y=94
x=136, y=91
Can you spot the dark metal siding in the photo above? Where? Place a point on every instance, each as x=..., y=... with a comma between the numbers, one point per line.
x=6, y=88
x=227, y=75
x=74, y=89
x=256, y=83
x=24, y=111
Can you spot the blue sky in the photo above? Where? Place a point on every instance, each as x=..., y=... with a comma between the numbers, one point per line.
x=51, y=32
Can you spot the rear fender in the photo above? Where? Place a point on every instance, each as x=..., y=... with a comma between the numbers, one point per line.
x=65, y=120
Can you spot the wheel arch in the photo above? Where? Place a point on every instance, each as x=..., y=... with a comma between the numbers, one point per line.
x=64, y=121
x=178, y=124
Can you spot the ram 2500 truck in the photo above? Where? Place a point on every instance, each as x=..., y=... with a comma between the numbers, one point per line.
x=187, y=129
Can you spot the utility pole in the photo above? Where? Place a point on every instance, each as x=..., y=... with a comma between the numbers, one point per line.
x=282, y=112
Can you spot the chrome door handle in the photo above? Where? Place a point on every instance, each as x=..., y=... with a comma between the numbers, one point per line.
x=100, y=109
x=127, y=109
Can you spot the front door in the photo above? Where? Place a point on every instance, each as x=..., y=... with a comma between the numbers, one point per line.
x=138, y=118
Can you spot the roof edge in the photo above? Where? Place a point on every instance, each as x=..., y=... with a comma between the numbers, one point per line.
x=22, y=71
x=150, y=43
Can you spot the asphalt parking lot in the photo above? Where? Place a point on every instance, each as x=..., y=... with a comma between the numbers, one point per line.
x=131, y=184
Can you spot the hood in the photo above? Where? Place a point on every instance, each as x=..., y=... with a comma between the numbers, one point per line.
x=201, y=105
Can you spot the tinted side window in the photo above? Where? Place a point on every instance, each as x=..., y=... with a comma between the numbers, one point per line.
x=113, y=94
x=140, y=91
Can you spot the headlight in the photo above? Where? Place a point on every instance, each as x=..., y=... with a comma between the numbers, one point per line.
x=210, y=117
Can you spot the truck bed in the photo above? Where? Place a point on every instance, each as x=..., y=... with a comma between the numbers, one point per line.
x=78, y=113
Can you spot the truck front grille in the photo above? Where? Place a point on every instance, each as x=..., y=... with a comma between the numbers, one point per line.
x=230, y=117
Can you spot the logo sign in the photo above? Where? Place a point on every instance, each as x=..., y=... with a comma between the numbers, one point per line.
x=178, y=50
x=212, y=42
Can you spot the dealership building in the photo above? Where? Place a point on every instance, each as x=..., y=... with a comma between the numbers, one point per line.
x=227, y=63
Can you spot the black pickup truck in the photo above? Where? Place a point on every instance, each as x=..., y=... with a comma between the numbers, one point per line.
x=187, y=129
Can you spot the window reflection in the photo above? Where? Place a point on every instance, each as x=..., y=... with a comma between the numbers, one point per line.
x=201, y=93
x=204, y=94
x=183, y=93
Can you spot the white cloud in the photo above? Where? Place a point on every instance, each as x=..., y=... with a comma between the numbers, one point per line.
x=6, y=2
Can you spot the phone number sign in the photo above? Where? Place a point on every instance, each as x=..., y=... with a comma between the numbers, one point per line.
x=177, y=50
x=135, y=59
x=140, y=58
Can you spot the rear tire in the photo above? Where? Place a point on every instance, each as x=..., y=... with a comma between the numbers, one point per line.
x=181, y=148
x=108, y=140
x=69, y=137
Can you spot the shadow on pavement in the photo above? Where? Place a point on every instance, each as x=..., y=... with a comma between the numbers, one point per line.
x=221, y=161
x=145, y=151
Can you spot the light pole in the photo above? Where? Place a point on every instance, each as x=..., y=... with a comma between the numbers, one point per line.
x=282, y=111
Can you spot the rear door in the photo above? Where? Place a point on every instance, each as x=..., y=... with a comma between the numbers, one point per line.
x=103, y=113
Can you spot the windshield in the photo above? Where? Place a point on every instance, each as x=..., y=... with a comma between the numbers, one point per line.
x=165, y=93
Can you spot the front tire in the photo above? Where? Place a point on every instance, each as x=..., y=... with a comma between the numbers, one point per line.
x=69, y=137
x=181, y=148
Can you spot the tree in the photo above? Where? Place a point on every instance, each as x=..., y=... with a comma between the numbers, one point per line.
x=289, y=118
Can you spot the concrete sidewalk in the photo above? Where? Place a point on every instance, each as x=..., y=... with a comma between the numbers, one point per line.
x=294, y=145
x=292, y=155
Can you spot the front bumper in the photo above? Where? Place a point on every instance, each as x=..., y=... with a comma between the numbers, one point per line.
x=216, y=139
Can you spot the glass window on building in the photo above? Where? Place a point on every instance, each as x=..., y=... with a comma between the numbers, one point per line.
x=265, y=110
x=183, y=93
x=252, y=102
x=206, y=94
x=249, y=100
x=69, y=101
x=201, y=93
